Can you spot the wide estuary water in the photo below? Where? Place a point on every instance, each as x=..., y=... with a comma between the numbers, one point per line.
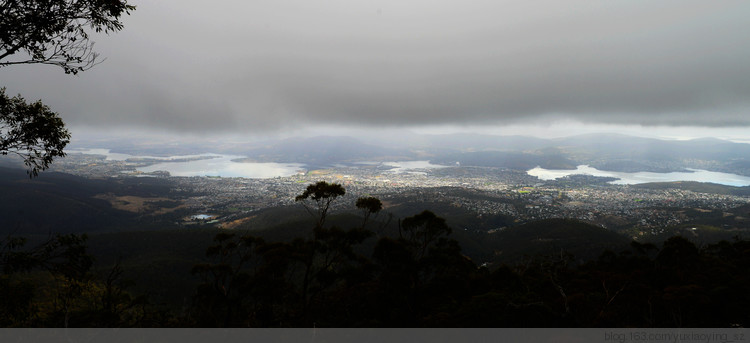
x=228, y=166
x=697, y=175
x=206, y=165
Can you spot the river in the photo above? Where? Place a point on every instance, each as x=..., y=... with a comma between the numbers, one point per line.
x=206, y=165
x=624, y=178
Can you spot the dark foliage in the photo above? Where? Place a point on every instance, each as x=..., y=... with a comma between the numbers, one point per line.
x=416, y=277
x=56, y=32
x=31, y=131
x=53, y=32
x=323, y=194
x=421, y=279
x=52, y=285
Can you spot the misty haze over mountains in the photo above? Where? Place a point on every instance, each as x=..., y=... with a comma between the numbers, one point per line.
x=611, y=152
x=321, y=164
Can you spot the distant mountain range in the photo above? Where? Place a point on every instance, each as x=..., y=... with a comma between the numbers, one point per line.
x=611, y=152
x=602, y=151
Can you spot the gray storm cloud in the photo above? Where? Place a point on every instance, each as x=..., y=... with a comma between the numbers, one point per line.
x=260, y=65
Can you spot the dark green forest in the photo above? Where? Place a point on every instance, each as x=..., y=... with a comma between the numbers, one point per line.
x=363, y=276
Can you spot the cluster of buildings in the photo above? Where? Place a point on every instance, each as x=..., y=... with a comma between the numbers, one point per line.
x=484, y=191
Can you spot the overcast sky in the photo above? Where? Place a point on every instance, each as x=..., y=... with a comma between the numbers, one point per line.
x=281, y=65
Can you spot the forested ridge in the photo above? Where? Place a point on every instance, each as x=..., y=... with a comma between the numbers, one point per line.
x=362, y=276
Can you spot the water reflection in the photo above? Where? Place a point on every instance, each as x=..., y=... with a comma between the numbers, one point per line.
x=223, y=166
x=405, y=166
x=206, y=165
x=624, y=178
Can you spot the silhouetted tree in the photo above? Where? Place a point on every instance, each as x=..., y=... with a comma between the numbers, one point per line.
x=423, y=230
x=420, y=278
x=323, y=194
x=53, y=32
x=369, y=206
x=297, y=283
x=31, y=131
x=423, y=274
x=68, y=264
x=218, y=301
x=56, y=32
x=329, y=255
x=52, y=285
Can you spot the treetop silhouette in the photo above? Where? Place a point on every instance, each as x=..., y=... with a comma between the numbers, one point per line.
x=323, y=194
x=52, y=32
x=31, y=131
x=56, y=32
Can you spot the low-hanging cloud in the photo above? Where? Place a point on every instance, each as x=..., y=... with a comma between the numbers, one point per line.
x=263, y=65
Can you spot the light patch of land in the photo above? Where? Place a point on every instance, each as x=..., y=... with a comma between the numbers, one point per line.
x=319, y=172
x=236, y=223
x=389, y=204
x=137, y=204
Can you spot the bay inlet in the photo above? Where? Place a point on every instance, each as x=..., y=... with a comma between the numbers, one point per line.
x=623, y=178
x=205, y=165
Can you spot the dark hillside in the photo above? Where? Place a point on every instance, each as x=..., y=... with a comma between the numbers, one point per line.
x=64, y=203
x=544, y=237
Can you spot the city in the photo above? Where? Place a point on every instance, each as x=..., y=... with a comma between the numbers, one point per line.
x=635, y=210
